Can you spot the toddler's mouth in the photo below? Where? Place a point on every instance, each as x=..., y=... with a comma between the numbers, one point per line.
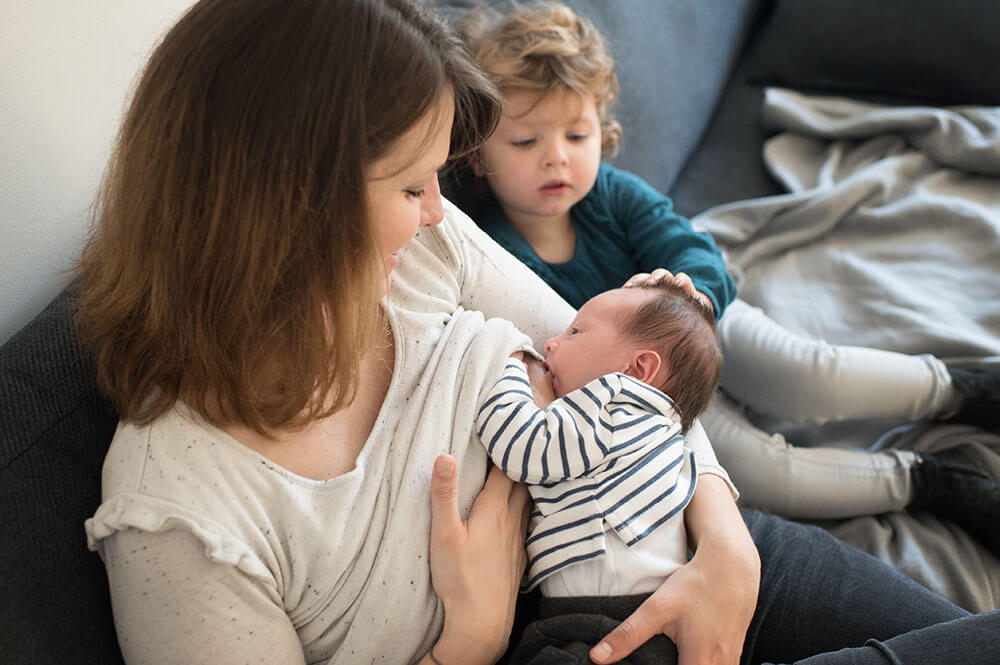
x=553, y=186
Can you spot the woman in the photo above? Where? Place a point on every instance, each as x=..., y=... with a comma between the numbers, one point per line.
x=268, y=291
x=278, y=425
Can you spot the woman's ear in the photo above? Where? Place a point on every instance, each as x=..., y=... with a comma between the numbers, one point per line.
x=644, y=366
x=476, y=162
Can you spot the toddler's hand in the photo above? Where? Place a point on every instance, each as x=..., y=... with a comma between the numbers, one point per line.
x=681, y=280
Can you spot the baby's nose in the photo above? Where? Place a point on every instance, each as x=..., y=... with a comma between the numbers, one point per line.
x=550, y=345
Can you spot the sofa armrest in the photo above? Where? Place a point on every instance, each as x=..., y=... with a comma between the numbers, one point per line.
x=55, y=429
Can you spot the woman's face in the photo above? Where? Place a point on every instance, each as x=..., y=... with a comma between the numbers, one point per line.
x=403, y=192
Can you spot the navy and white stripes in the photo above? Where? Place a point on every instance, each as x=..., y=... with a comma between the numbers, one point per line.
x=611, y=451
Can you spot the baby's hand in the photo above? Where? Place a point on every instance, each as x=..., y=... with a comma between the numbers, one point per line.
x=541, y=382
x=518, y=355
x=681, y=280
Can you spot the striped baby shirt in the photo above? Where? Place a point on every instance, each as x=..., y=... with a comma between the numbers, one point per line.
x=610, y=452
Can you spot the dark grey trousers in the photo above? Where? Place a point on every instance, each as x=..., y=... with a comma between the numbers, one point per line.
x=821, y=602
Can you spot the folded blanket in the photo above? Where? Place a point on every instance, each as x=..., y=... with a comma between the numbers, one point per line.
x=890, y=233
x=888, y=237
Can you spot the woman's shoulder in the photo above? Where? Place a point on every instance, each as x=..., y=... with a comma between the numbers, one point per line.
x=180, y=464
x=445, y=243
x=179, y=471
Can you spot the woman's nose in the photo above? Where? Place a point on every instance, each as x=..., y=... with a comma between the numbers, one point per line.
x=431, y=208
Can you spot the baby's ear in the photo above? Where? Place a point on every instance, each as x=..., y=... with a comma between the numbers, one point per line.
x=644, y=366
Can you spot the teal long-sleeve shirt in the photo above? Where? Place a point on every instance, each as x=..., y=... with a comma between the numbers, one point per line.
x=623, y=226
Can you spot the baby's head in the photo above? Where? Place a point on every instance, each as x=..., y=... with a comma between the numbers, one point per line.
x=544, y=48
x=657, y=334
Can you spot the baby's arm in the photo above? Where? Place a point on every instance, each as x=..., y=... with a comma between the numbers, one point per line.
x=533, y=444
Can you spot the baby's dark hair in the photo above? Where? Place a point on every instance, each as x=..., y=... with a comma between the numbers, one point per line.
x=682, y=330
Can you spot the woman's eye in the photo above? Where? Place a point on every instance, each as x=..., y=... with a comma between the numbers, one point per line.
x=415, y=193
x=523, y=143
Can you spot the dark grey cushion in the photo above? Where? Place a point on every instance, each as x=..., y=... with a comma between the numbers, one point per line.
x=55, y=429
x=728, y=164
x=937, y=51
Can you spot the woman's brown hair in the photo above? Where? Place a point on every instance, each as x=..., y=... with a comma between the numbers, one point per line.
x=231, y=263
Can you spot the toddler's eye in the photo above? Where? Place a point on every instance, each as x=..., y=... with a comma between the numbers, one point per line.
x=415, y=193
x=523, y=143
x=574, y=331
x=576, y=138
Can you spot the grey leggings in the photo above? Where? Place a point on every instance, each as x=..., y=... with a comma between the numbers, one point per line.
x=776, y=373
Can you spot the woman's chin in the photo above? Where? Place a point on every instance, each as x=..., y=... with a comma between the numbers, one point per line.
x=390, y=264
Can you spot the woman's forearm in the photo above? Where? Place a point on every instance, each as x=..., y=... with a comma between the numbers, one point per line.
x=714, y=521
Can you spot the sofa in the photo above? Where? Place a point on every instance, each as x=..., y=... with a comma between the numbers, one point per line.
x=694, y=78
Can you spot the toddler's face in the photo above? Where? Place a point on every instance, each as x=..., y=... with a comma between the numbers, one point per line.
x=544, y=156
x=592, y=345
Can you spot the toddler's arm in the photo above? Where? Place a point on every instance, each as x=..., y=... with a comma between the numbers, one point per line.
x=658, y=236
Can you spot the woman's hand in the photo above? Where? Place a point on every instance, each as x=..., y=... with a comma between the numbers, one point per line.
x=706, y=606
x=681, y=280
x=476, y=565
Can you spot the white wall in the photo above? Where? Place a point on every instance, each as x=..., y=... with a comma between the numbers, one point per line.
x=66, y=70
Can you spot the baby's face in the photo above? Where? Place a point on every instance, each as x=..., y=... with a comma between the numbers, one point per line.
x=593, y=345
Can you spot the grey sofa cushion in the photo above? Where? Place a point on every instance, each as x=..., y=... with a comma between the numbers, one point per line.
x=55, y=429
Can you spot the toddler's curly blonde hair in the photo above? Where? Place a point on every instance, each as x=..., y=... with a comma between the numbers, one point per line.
x=542, y=47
